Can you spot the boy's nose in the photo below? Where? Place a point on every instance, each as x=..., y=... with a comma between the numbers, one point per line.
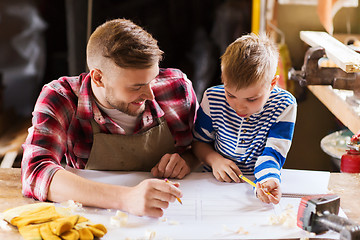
x=240, y=107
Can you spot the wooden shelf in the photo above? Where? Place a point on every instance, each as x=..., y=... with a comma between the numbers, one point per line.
x=335, y=101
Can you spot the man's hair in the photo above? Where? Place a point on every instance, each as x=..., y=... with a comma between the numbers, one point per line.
x=248, y=60
x=125, y=43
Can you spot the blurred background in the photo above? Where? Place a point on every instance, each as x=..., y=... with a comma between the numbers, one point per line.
x=43, y=40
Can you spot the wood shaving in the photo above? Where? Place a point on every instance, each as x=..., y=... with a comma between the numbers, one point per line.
x=173, y=222
x=150, y=235
x=72, y=205
x=4, y=226
x=120, y=219
x=240, y=230
x=286, y=218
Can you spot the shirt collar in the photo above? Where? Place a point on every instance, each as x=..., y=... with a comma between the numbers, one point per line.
x=152, y=110
x=87, y=108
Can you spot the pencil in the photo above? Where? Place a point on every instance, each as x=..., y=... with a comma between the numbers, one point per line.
x=179, y=200
x=247, y=180
x=250, y=182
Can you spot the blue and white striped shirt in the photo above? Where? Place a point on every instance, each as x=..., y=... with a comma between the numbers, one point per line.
x=258, y=144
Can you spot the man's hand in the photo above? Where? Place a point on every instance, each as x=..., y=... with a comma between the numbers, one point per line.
x=150, y=197
x=225, y=170
x=171, y=166
x=271, y=186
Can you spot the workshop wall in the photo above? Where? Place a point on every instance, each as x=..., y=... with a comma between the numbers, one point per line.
x=295, y=18
x=193, y=34
x=314, y=120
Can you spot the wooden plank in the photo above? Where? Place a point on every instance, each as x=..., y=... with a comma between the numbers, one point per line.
x=347, y=186
x=346, y=58
x=338, y=106
x=9, y=159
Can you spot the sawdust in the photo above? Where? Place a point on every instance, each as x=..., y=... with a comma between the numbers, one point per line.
x=72, y=206
x=240, y=230
x=120, y=219
x=4, y=226
x=287, y=217
x=150, y=235
x=170, y=222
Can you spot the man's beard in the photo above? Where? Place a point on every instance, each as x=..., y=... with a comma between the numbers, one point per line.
x=124, y=107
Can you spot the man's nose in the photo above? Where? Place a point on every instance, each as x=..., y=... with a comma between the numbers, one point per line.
x=148, y=93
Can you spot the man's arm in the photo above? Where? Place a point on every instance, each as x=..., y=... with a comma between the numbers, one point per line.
x=180, y=113
x=148, y=198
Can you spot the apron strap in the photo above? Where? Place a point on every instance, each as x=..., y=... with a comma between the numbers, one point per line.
x=95, y=126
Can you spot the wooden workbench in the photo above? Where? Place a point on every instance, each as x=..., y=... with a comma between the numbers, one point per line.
x=334, y=100
x=347, y=186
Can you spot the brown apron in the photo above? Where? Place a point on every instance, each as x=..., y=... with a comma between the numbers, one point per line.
x=138, y=152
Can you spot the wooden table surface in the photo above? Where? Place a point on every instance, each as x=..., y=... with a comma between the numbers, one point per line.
x=347, y=186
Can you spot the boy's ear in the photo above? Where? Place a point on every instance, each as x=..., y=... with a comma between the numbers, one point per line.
x=96, y=77
x=274, y=81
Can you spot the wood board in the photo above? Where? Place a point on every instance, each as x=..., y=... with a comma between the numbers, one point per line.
x=344, y=57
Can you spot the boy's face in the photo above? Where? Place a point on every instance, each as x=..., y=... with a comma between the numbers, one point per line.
x=127, y=89
x=249, y=100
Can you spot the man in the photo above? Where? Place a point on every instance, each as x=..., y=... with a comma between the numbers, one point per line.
x=125, y=114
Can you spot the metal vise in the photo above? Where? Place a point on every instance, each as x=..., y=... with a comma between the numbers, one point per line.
x=312, y=74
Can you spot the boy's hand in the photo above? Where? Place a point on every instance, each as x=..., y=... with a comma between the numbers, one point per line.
x=171, y=166
x=225, y=170
x=150, y=197
x=271, y=186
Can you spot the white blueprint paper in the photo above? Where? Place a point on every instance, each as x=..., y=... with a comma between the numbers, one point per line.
x=210, y=210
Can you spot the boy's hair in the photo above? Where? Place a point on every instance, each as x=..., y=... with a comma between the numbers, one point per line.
x=125, y=43
x=248, y=60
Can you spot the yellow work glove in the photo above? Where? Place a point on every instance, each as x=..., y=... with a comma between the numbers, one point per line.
x=38, y=215
x=29, y=219
x=88, y=231
x=41, y=221
x=30, y=232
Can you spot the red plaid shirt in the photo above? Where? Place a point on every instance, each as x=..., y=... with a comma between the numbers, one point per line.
x=61, y=124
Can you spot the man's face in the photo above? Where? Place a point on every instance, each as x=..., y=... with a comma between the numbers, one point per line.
x=249, y=100
x=127, y=89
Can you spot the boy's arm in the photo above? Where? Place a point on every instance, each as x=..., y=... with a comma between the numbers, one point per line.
x=205, y=152
x=224, y=170
x=277, y=146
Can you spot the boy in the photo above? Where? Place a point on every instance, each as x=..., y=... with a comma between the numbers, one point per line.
x=245, y=126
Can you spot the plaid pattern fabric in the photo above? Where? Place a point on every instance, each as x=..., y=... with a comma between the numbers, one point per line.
x=61, y=127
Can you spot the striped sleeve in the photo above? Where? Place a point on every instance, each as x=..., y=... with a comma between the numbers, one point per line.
x=203, y=129
x=277, y=146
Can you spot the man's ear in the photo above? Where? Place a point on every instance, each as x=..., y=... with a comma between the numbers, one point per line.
x=96, y=77
x=274, y=81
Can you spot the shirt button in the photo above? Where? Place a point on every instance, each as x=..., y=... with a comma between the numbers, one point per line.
x=248, y=119
x=244, y=131
x=242, y=141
